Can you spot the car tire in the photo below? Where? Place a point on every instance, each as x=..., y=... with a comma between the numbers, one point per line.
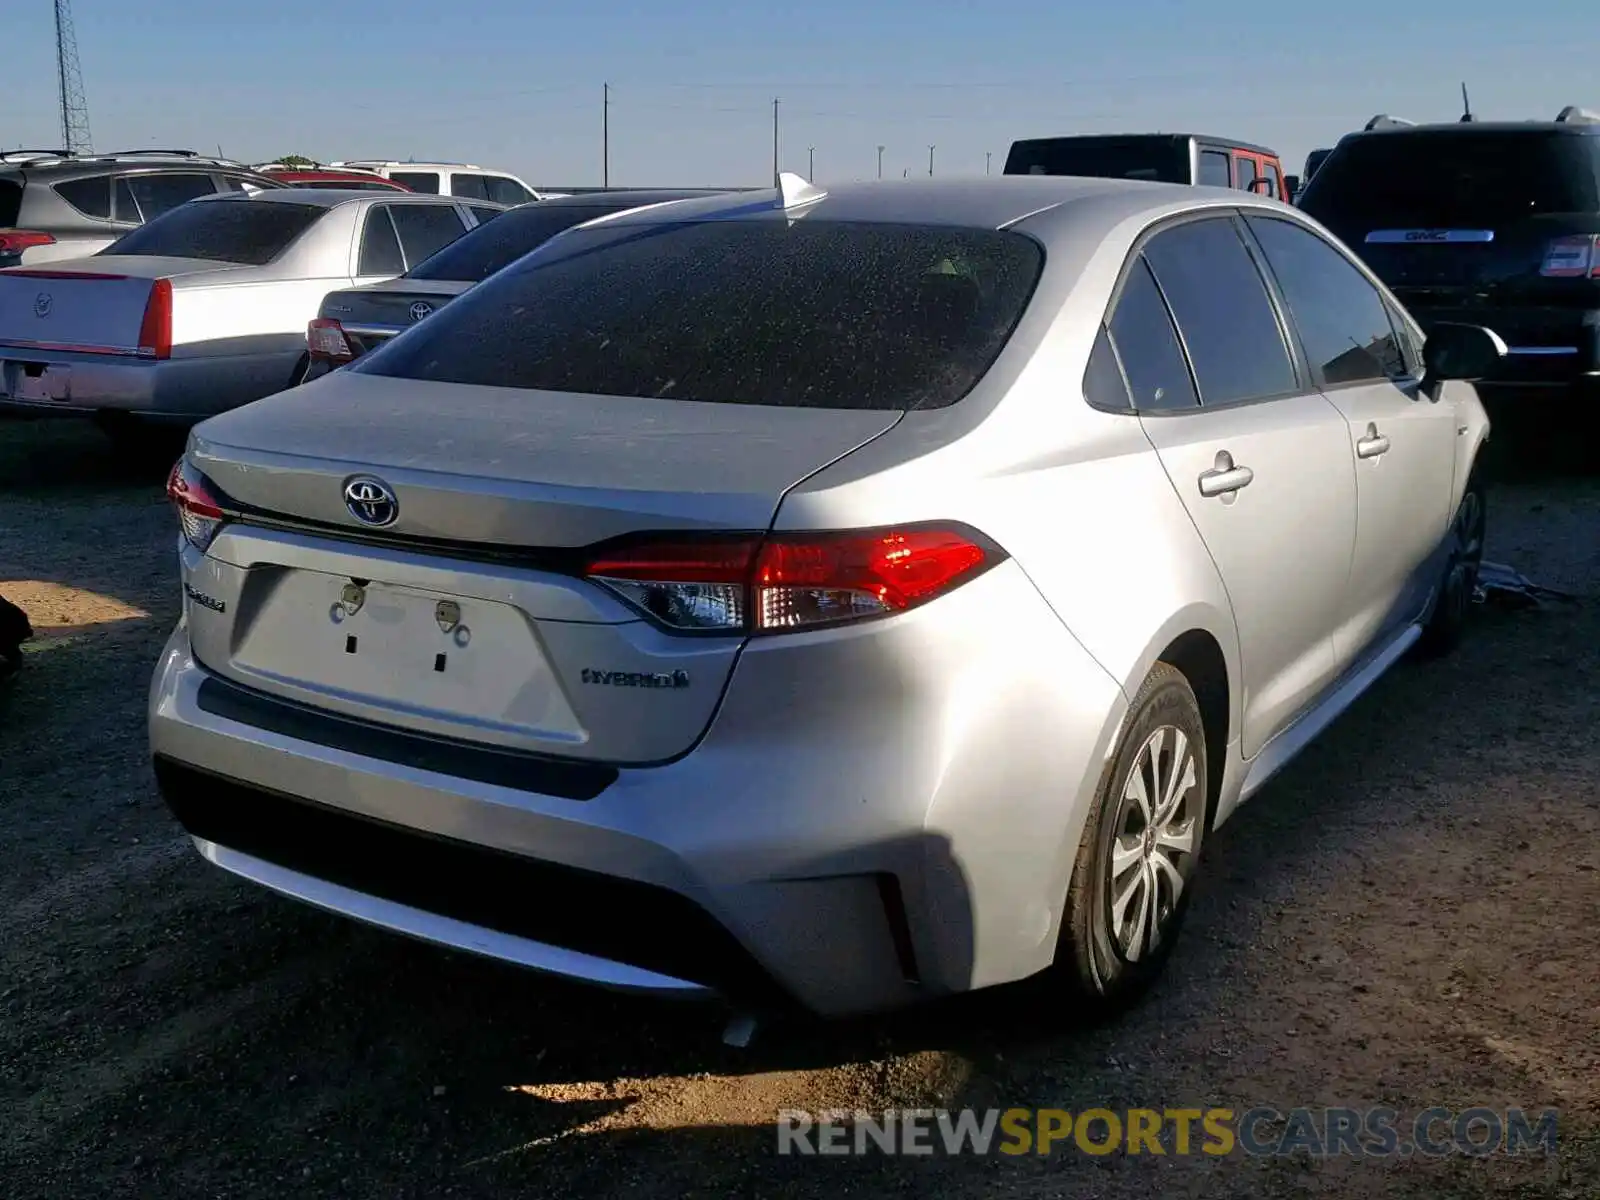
x=1106, y=957
x=1452, y=609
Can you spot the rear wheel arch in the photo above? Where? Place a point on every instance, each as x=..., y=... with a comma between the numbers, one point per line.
x=1198, y=657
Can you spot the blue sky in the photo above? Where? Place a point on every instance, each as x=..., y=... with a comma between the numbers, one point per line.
x=518, y=85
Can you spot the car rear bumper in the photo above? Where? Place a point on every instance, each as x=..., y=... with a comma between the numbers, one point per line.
x=1549, y=345
x=875, y=815
x=46, y=382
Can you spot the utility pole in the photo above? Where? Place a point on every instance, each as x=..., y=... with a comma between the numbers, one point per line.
x=930, y=162
x=605, y=135
x=987, y=155
x=880, y=162
x=811, y=164
x=69, y=78
x=775, y=142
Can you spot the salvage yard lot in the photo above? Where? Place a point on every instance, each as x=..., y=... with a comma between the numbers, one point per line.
x=1407, y=916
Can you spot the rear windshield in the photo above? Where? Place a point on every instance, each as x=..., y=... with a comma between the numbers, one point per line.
x=10, y=203
x=507, y=238
x=1454, y=179
x=249, y=232
x=810, y=314
x=1157, y=159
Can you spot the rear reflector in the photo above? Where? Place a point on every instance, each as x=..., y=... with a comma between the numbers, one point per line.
x=1576, y=257
x=155, y=331
x=325, y=341
x=783, y=581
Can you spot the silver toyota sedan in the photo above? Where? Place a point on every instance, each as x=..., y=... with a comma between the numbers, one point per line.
x=830, y=597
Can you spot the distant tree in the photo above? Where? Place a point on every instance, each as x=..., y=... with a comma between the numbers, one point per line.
x=296, y=160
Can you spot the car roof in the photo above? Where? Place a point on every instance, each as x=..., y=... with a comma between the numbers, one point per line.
x=622, y=198
x=407, y=164
x=333, y=197
x=1208, y=138
x=1576, y=128
x=36, y=160
x=994, y=202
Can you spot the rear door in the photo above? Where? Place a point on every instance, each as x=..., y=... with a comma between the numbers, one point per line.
x=1403, y=442
x=1259, y=458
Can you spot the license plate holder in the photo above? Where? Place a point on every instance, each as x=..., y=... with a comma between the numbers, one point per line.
x=53, y=385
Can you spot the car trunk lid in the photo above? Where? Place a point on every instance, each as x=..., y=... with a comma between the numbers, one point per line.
x=507, y=467
x=470, y=616
x=96, y=305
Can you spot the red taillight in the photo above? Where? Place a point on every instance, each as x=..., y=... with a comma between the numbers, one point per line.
x=15, y=241
x=1576, y=257
x=155, y=331
x=199, y=514
x=325, y=341
x=791, y=580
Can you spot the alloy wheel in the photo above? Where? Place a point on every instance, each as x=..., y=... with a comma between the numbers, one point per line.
x=1153, y=848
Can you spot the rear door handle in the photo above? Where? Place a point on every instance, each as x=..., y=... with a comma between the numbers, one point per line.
x=1373, y=444
x=1224, y=478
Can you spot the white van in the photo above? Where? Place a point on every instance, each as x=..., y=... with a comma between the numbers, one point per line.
x=450, y=179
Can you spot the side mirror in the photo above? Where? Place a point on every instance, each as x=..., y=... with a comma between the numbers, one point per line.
x=1466, y=352
x=1291, y=186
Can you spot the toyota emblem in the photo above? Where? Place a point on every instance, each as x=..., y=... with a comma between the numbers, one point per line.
x=420, y=309
x=370, y=501
x=42, y=303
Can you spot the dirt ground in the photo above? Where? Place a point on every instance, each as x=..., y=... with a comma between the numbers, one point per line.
x=1407, y=917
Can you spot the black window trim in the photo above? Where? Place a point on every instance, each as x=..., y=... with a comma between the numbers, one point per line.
x=1391, y=306
x=1304, y=377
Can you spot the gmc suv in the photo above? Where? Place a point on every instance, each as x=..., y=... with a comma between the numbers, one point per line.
x=1496, y=224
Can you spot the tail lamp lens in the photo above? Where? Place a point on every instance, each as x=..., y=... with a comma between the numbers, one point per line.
x=1576, y=257
x=199, y=515
x=325, y=341
x=791, y=581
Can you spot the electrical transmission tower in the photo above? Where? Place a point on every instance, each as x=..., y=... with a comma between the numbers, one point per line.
x=74, y=108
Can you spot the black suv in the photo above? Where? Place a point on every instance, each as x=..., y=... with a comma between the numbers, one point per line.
x=55, y=205
x=1494, y=224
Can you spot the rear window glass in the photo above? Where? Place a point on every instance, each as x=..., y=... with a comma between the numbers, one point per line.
x=810, y=314
x=91, y=196
x=486, y=249
x=1455, y=179
x=10, y=202
x=1155, y=159
x=248, y=232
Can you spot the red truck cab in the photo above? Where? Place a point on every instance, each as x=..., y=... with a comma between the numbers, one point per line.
x=1189, y=158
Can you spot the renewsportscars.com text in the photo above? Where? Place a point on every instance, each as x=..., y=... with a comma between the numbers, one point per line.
x=1315, y=1132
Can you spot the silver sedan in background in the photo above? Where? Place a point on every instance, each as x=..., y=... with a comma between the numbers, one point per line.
x=205, y=307
x=840, y=597
x=355, y=320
